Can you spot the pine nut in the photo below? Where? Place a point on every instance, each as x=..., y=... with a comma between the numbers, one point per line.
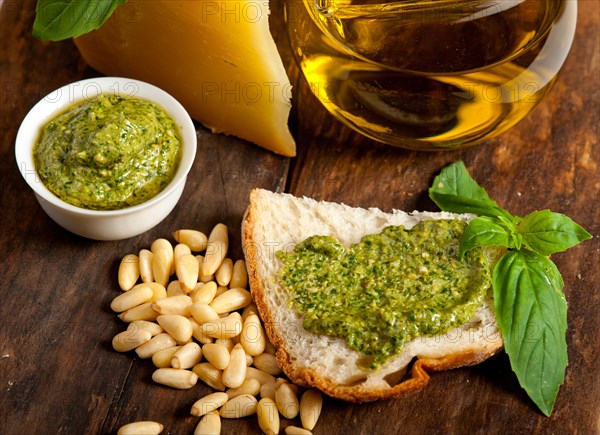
x=201, y=277
x=132, y=298
x=235, y=372
x=268, y=417
x=294, y=430
x=253, y=336
x=162, y=358
x=176, y=378
x=216, y=354
x=249, y=386
x=158, y=290
x=268, y=390
x=311, y=404
x=223, y=273
x=205, y=279
x=164, y=244
x=210, y=375
x=267, y=363
x=129, y=271
x=203, y=313
x=220, y=290
x=177, y=326
x=269, y=347
x=209, y=424
x=152, y=327
x=249, y=360
x=250, y=309
x=173, y=305
x=231, y=300
x=239, y=275
x=240, y=406
x=145, y=259
x=196, y=240
x=259, y=375
x=286, y=400
x=178, y=251
x=216, y=249
x=209, y=403
x=174, y=289
x=197, y=332
x=226, y=327
x=161, y=266
x=128, y=340
x=187, y=272
x=227, y=342
x=141, y=428
x=159, y=342
x=295, y=388
x=187, y=356
x=204, y=292
x=141, y=312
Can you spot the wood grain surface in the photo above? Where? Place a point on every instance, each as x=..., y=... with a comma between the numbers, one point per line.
x=58, y=372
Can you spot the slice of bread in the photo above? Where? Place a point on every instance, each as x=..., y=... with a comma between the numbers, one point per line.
x=275, y=221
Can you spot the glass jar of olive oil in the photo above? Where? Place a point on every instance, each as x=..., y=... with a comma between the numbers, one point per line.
x=431, y=74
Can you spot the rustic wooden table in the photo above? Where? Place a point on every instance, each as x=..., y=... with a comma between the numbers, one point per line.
x=58, y=372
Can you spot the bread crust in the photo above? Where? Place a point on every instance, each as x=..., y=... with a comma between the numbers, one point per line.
x=357, y=392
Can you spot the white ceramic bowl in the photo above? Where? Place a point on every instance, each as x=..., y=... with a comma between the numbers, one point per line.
x=99, y=224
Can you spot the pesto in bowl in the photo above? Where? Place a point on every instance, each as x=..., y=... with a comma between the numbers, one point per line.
x=161, y=143
x=108, y=152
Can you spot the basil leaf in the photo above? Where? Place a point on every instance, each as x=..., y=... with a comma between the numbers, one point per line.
x=455, y=191
x=62, y=19
x=532, y=314
x=483, y=231
x=547, y=232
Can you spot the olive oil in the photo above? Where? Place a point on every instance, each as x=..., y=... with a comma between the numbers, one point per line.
x=431, y=74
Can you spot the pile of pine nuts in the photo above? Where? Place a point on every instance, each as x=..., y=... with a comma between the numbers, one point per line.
x=194, y=317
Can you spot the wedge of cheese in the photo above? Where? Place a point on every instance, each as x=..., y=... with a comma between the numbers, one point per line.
x=218, y=58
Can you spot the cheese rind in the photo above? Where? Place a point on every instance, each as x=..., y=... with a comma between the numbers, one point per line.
x=218, y=58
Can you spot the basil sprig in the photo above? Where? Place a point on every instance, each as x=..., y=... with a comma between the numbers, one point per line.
x=455, y=191
x=56, y=20
x=529, y=302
